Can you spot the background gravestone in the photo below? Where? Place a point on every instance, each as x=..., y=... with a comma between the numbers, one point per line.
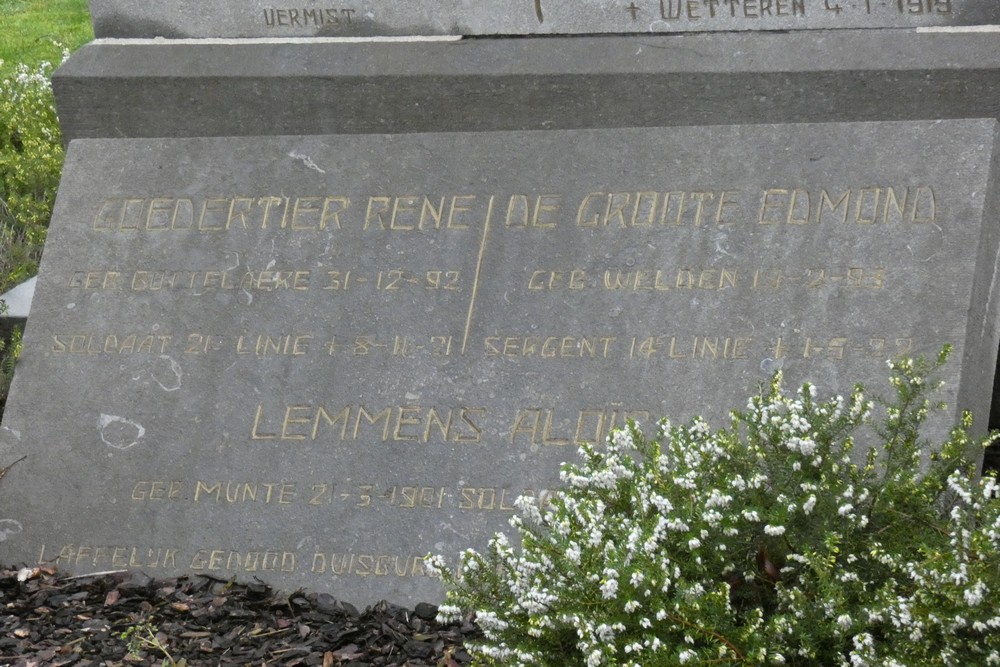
x=309, y=18
x=367, y=346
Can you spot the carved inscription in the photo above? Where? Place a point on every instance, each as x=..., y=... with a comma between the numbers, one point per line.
x=698, y=14
x=305, y=17
x=412, y=422
x=318, y=213
x=351, y=495
x=351, y=18
x=750, y=11
x=322, y=213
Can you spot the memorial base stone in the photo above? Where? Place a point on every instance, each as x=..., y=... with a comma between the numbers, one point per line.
x=159, y=88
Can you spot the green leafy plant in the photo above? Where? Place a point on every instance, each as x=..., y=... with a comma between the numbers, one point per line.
x=31, y=158
x=10, y=350
x=770, y=542
x=147, y=637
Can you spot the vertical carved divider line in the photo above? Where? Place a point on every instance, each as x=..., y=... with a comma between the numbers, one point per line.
x=475, y=280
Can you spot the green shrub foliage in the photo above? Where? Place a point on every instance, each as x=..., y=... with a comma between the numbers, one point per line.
x=760, y=544
x=31, y=158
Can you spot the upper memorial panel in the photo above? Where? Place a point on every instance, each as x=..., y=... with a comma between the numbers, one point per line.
x=349, y=18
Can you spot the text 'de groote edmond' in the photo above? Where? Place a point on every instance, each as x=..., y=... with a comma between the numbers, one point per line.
x=457, y=213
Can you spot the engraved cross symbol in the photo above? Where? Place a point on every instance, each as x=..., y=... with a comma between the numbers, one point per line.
x=633, y=10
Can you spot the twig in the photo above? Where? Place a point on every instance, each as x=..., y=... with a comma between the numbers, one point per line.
x=96, y=574
x=3, y=471
x=268, y=634
x=710, y=633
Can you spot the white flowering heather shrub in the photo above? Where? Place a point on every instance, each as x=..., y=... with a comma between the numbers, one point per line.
x=760, y=544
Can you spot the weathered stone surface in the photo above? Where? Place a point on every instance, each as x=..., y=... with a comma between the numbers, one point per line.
x=316, y=359
x=309, y=18
x=161, y=88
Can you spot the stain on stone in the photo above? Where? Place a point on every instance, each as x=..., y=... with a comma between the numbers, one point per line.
x=120, y=25
x=119, y=432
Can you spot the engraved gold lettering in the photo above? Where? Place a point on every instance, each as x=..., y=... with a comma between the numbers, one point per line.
x=724, y=201
x=399, y=423
x=201, y=487
x=157, y=490
x=591, y=437
x=287, y=424
x=119, y=556
x=214, y=214
x=266, y=345
x=767, y=204
x=924, y=209
x=827, y=204
x=400, y=207
x=345, y=566
x=338, y=280
x=574, y=279
x=862, y=206
x=547, y=437
x=342, y=417
x=645, y=208
x=268, y=203
x=405, y=418
x=165, y=213
x=474, y=433
x=372, y=419
x=798, y=208
x=522, y=212
x=332, y=208
x=239, y=208
x=459, y=204
x=377, y=205
x=526, y=422
x=96, y=280
x=550, y=347
x=112, y=213
x=644, y=212
x=583, y=217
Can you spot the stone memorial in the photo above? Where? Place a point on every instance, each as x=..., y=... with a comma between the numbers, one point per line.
x=315, y=359
x=191, y=88
x=309, y=18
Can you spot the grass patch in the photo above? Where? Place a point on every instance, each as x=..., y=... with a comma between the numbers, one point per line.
x=34, y=30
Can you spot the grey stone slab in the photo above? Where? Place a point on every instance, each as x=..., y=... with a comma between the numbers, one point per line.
x=17, y=301
x=315, y=359
x=309, y=18
x=159, y=88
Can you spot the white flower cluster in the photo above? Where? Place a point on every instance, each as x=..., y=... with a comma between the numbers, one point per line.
x=752, y=545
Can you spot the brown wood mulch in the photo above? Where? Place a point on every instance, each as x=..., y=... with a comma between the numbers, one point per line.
x=48, y=618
